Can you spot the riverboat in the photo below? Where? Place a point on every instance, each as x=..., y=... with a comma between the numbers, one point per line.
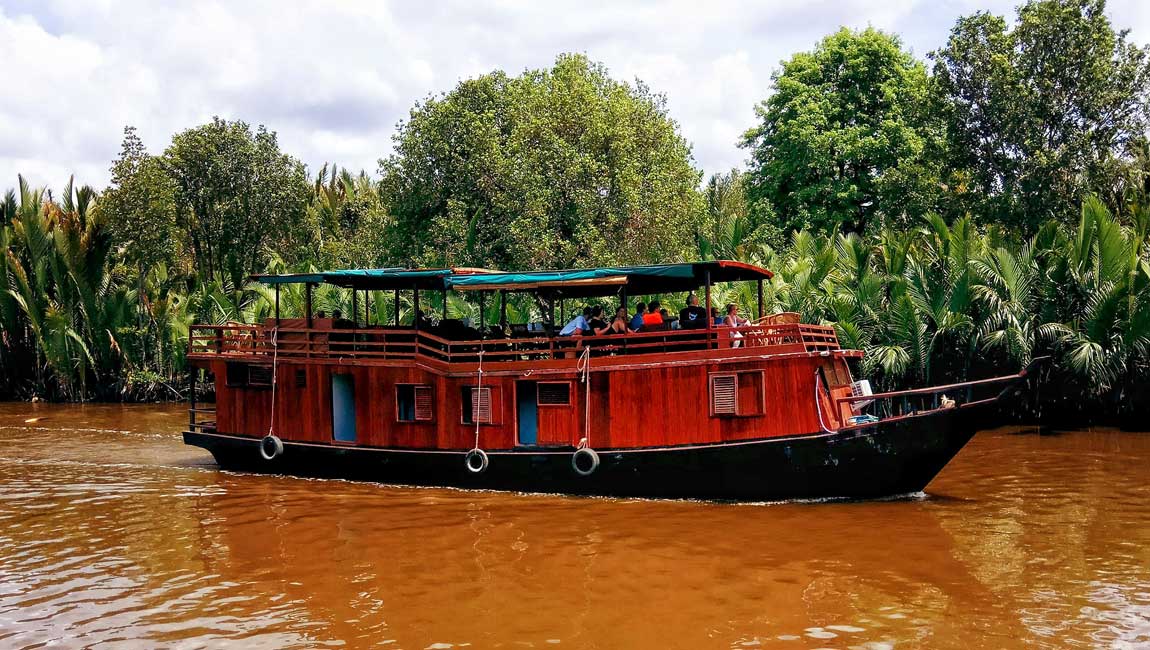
x=763, y=411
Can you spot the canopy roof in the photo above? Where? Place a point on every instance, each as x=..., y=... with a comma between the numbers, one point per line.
x=637, y=280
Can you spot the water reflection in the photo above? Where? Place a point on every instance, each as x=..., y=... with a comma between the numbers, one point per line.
x=112, y=534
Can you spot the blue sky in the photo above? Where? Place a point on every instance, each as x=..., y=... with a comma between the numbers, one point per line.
x=333, y=77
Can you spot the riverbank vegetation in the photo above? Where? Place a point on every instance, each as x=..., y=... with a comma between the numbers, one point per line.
x=954, y=216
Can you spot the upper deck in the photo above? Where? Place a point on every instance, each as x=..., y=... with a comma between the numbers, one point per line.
x=324, y=341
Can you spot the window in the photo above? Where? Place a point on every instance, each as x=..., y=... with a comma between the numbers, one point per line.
x=478, y=405
x=737, y=394
x=244, y=375
x=413, y=403
x=724, y=395
x=554, y=393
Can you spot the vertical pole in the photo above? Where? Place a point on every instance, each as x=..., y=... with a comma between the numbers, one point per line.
x=307, y=302
x=503, y=309
x=192, y=396
x=367, y=307
x=415, y=319
x=482, y=322
x=710, y=319
x=445, y=304
x=277, y=304
x=760, y=299
x=397, y=307
x=355, y=306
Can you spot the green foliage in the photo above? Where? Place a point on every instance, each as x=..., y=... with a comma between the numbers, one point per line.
x=845, y=141
x=237, y=197
x=550, y=169
x=1041, y=113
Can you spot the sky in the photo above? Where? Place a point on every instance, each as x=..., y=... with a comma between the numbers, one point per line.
x=334, y=77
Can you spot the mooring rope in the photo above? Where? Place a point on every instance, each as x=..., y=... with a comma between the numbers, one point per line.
x=583, y=367
x=819, y=403
x=275, y=362
x=478, y=400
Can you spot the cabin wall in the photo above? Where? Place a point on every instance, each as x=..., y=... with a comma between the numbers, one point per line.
x=651, y=406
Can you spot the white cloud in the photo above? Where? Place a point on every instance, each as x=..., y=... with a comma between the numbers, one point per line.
x=333, y=77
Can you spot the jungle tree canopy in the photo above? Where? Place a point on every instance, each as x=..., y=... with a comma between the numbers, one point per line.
x=551, y=169
x=844, y=140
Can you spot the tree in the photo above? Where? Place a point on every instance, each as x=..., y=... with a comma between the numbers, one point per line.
x=237, y=196
x=553, y=168
x=845, y=140
x=140, y=206
x=1041, y=114
x=731, y=229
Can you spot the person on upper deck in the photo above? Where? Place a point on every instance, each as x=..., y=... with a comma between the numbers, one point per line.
x=692, y=317
x=620, y=324
x=597, y=325
x=653, y=318
x=579, y=324
x=715, y=316
x=733, y=319
x=422, y=321
x=637, y=319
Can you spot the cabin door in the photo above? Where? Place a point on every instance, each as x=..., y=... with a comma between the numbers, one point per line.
x=343, y=407
x=527, y=412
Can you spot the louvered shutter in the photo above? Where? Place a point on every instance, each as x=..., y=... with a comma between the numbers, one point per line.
x=423, y=407
x=724, y=395
x=555, y=393
x=481, y=405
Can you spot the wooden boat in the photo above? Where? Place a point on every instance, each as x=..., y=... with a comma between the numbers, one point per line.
x=764, y=411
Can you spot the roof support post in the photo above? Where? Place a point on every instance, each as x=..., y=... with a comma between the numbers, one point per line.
x=355, y=306
x=307, y=303
x=415, y=320
x=503, y=310
x=277, y=304
x=397, y=307
x=482, y=316
x=710, y=319
x=445, y=304
x=760, y=300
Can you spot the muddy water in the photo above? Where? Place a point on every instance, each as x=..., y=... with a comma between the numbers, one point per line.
x=114, y=535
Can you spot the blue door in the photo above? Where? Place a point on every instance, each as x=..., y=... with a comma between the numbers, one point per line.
x=343, y=407
x=525, y=397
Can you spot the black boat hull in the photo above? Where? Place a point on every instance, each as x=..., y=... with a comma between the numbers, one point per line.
x=894, y=457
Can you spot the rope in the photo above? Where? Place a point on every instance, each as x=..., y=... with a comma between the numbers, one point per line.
x=275, y=362
x=819, y=403
x=583, y=367
x=478, y=398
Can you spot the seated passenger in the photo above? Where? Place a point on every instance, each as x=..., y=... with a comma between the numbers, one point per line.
x=652, y=318
x=620, y=324
x=422, y=321
x=597, y=325
x=578, y=324
x=637, y=320
x=673, y=321
x=715, y=316
x=733, y=319
x=692, y=317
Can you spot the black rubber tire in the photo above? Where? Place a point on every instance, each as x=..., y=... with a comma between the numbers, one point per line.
x=469, y=461
x=585, y=467
x=271, y=447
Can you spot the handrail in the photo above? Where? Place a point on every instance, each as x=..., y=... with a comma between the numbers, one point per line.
x=927, y=391
x=405, y=343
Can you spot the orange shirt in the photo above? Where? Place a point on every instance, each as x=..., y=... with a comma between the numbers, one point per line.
x=652, y=318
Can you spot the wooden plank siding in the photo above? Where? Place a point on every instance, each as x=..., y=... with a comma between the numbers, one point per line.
x=644, y=406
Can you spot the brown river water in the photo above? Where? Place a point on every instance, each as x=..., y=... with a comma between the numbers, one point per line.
x=115, y=535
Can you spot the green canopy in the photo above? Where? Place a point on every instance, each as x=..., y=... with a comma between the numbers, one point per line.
x=636, y=280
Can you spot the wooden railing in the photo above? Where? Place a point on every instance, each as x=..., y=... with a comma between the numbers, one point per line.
x=295, y=343
x=918, y=400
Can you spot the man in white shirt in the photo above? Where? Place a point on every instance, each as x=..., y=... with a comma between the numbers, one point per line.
x=578, y=324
